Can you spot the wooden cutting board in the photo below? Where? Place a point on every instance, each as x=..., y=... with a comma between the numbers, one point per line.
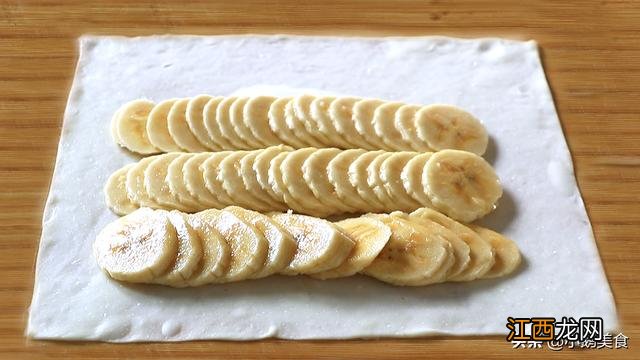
x=591, y=53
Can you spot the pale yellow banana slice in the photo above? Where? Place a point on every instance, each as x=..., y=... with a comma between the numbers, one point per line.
x=321, y=245
x=297, y=187
x=282, y=246
x=188, y=255
x=256, y=118
x=461, y=184
x=338, y=173
x=158, y=127
x=177, y=185
x=375, y=183
x=481, y=254
x=194, y=181
x=278, y=123
x=507, y=255
x=449, y=127
x=210, y=169
x=210, y=113
x=179, y=128
x=236, y=115
x=137, y=247
x=411, y=176
x=223, y=117
x=278, y=186
x=195, y=121
x=315, y=173
x=302, y=111
x=156, y=185
x=115, y=191
x=341, y=113
x=136, y=190
x=363, y=111
x=384, y=125
x=296, y=126
x=250, y=177
x=233, y=183
x=391, y=178
x=370, y=236
x=411, y=257
x=405, y=124
x=262, y=166
x=129, y=127
x=216, y=253
x=358, y=179
x=319, y=112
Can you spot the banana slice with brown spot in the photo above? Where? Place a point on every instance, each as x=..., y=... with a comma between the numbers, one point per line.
x=321, y=245
x=358, y=179
x=195, y=121
x=177, y=186
x=278, y=123
x=341, y=113
x=156, y=185
x=210, y=113
x=449, y=127
x=296, y=186
x=405, y=124
x=411, y=257
x=481, y=254
x=136, y=190
x=158, y=127
x=194, y=181
x=210, y=170
x=256, y=118
x=236, y=115
x=315, y=173
x=137, y=247
x=370, y=236
x=338, y=173
x=461, y=184
x=179, y=128
x=319, y=112
x=129, y=127
x=216, y=253
x=363, y=112
x=115, y=191
x=384, y=126
x=233, y=183
x=391, y=178
x=507, y=255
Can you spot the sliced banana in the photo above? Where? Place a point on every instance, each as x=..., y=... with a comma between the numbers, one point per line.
x=481, y=254
x=179, y=128
x=233, y=183
x=256, y=118
x=461, y=184
x=210, y=169
x=156, y=185
x=279, y=187
x=262, y=166
x=411, y=257
x=216, y=253
x=115, y=192
x=507, y=255
x=321, y=245
x=411, y=176
x=338, y=173
x=282, y=246
x=210, y=113
x=358, y=179
x=391, y=178
x=405, y=124
x=250, y=177
x=341, y=113
x=296, y=125
x=297, y=187
x=223, y=117
x=129, y=127
x=319, y=112
x=236, y=115
x=137, y=247
x=193, y=177
x=375, y=183
x=136, y=190
x=385, y=129
x=195, y=121
x=363, y=111
x=177, y=186
x=315, y=173
x=278, y=123
x=158, y=127
x=449, y=127
x=188, y=255
x=370, y=236
x=302, y=110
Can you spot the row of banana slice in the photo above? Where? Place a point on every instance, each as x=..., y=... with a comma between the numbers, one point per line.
x=214, y=123
x=234, y=244
x=318, y=182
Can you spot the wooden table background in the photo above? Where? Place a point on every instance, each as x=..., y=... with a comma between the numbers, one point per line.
x=591, y=53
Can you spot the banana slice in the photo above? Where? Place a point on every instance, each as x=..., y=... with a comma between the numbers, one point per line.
x=315, y=173
x=137, y=247
x=375, y=183
x=256, y=118
x=341, y=113
x=370, y=236
x=195, y=121
x=295, y=185
x=321, y=245
x=135, y=184
x=177, y=185
x=249, y=248
x=296, y=126
x=391, y=178
x=250, y=177
x=507, y=255
x=338, y=173
x=319, y=113
x=461, y=251
x=302, y=113
x=236, y=115
x=194, y=181
x=115, y=192
x=411, y=257
x=158, y=127
x=449, y=127
x=363, y=111
x=358, y=179
x=233, y=183
x=216, y=253
x=282, y=247
x=223, y=117
x=129, y=127
x=278, y=186
x=188, y=255
x=405, y=124
x=278, y=123
x=384, y=125
x=481, y=254
x=210, y=169
x=262, y=166
x=461, y=184
x=157, y=187
x=179, y=128
x=411, y=176
x=210, y=113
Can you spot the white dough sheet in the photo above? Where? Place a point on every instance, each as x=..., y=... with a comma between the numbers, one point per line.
x=500, y=81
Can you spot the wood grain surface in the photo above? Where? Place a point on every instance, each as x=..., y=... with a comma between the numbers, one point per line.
x=591, y=53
